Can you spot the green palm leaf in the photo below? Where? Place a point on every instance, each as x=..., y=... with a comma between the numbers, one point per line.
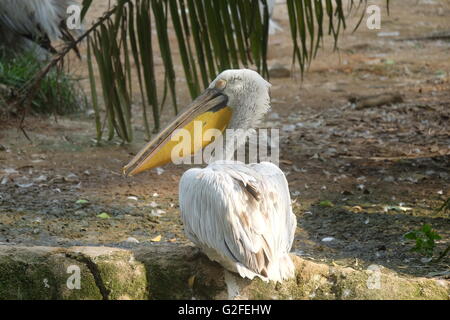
x=211, y=36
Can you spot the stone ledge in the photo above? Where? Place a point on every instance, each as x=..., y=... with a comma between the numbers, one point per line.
x=170, y=272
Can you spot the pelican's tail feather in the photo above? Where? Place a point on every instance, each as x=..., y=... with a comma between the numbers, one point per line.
x=280, y=270
x=244, y=272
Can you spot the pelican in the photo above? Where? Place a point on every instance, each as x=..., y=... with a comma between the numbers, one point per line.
x=33, y=25
x=239, y=215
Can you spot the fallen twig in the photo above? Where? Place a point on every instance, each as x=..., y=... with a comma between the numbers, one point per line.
x=431, y=37
x=375, y=101
x=394, y=158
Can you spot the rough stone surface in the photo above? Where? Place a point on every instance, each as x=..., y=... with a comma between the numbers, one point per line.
x=170, y=272
x=43, y=273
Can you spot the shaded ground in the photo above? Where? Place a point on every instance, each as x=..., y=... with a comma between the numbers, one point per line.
x=384, y=169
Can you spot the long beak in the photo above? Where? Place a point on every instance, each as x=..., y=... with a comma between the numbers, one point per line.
x=210, y=108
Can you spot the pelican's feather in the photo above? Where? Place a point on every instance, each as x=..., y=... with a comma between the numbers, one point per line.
x=24, y=23
x=248, y=234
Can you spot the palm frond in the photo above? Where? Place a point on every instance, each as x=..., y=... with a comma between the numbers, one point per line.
x=211, y=36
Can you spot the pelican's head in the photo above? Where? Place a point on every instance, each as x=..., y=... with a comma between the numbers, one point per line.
x=248, y=96
x=236, y=99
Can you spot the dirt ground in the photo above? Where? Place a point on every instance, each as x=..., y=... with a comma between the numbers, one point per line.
x=360, y=177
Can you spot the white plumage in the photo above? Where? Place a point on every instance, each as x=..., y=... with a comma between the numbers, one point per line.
x=241, y=216
x=32, y=24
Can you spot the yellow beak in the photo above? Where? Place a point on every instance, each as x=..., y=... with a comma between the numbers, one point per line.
x=209, y=109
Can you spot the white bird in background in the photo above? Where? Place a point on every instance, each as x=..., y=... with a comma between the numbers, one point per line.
x=239, y=215
x=273, y=26
x=33, y=25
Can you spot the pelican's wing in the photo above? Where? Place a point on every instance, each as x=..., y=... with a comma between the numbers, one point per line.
x=241, y=216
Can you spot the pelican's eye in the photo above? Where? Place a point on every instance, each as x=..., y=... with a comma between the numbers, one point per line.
x=221, y=84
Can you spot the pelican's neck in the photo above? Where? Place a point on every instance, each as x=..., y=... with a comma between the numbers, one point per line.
x=244, y=122
x=249, y=113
